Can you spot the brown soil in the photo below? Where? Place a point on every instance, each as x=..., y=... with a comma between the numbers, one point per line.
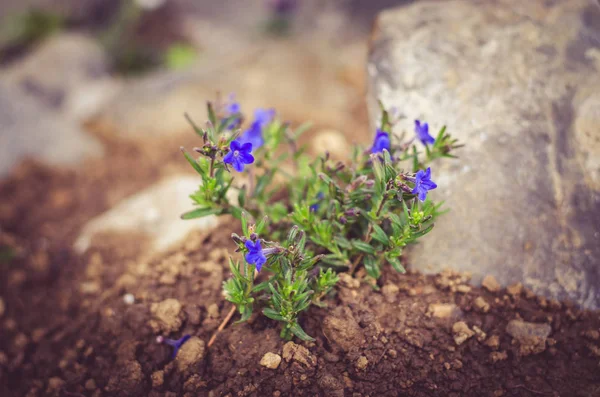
x=67, y=331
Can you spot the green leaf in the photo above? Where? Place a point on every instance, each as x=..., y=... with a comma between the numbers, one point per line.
x=397, y=265
x=193, y=162
x=244, y=220
x=299, y=332
x=423, y=232
x=343, y=242
x=261, y=225
x=201, y=212
x=272, y=314
x=364, y=247
x=211, y=114
x=372, y=266
x=245, y=316
x=302, y=129
x=236, y=212
x=197, y=129
x=379, y=234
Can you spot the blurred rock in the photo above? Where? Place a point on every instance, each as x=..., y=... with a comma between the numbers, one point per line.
x=518, y=83
x=306, y=88
x=68, y=73
x=32, y=129
x=155, y=211
x=530, y=336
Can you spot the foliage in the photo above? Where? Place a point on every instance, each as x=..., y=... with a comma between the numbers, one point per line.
x=322, y=216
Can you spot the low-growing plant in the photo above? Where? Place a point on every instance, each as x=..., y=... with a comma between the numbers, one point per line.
x=306, y=219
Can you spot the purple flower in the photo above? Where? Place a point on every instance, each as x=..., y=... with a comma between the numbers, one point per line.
x=253, y=135
x=174, y=343
x=315, y=206
x=423, y=184
x=232, y=108
x=422, y=131
x=382, y=141
x=264, y=116
x=239, y=155
x=255, y=256
x=283, y=6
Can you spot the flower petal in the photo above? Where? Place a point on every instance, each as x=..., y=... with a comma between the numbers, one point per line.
x=246, y=147
x=246, y=158
x=237, y=164
x=235, y=145
x=228, y=158
x=422, y=194
x=250, y=245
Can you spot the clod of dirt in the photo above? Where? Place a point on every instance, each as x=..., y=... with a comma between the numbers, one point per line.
x=90, y=384
x=271, y=360
x=498, y=356
x=481, y=305
x=390, y=291
x=479, y=333
x=158, y=378
x=331, y=385
x=444, y=310
x=490, y=283
x=592, y=334
x=515, y=290
x=191, y=354
x=342, y=329
x=168, y=316
x=54, y=385
x=530, y=336
x=461, y=332
x=126, y=380
x=349, y=281
x=463, y=288
x=292, y=351
x=493, y=342
x=362, y=363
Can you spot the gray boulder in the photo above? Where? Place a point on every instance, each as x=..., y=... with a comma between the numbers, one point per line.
x=519, y=83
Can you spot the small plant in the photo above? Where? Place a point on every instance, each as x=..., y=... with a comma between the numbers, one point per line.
x=323, y=216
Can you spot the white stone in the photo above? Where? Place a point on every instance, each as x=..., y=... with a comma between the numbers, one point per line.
x=155, y=211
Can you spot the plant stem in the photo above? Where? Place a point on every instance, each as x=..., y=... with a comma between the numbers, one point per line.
x=367, y=237
x=212, y=167
x=221, y=326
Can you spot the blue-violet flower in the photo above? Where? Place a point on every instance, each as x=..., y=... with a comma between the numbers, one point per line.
x=422, y=131
x=239, y=155
x=315, y=206
x=232, y=108
x=174, y=343
x=382, y=141
x=423, y=184
x=254, y=134
x=255, y=256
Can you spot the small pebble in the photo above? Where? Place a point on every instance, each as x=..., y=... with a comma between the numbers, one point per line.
x=129, y=299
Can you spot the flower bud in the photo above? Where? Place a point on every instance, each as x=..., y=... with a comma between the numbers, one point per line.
x=343, y=220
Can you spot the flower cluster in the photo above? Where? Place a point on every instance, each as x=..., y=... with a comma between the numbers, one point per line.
x=356, y=216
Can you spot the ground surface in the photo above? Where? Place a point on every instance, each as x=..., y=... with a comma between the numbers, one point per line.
x=66, y=329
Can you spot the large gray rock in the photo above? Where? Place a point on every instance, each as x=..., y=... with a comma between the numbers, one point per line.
x=519, y=83
x=31, y=129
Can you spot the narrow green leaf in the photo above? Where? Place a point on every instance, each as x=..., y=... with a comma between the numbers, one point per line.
x=379, y=234
x=397, y=265
x=272, y=314
x=299, y=332
x=211, y=113
x=193, y=162
x=201, y=212
x=364, y=247
x=423, y=232
x=197, y=129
